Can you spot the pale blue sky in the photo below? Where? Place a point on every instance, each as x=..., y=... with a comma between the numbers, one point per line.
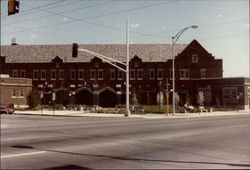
x=223, y=25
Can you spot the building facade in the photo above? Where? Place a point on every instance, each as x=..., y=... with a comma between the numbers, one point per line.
x=15, y=90
x=90, y=81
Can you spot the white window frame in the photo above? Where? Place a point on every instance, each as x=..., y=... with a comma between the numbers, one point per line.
x=41, y=76
x=184, y=73
x=35, y=71
x=120, y=75
x=151, y=72
x=195, y=58
x=92, y=74
x=51, y=74
x=80, y=72
x=132, y=74
x=158, y=75
x=140, y=74
x=15, y=73
x=112, y=74
x=21, y=93
x=22, y=73
x=14, y=93
x=203, y=73
x=100, y=74
x=72, y=72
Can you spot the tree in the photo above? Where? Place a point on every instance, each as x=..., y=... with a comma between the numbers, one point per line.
x=33, y=98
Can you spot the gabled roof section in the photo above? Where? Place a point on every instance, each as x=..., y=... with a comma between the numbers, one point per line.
x=195, y=44
x=46, y=53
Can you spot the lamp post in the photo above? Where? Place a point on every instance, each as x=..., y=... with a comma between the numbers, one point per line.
x=174, y=40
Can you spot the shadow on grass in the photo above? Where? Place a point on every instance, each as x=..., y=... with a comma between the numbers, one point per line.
x=132, y=159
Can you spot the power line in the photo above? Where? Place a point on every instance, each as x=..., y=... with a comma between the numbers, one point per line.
x=52, y=13
x=34, y=8
x=91, y=23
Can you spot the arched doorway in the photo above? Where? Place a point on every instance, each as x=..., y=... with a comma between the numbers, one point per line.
x=107, y=98
x=84, y=97
x=62, y=97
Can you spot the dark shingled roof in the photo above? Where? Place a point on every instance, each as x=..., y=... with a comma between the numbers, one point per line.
x=45, y=53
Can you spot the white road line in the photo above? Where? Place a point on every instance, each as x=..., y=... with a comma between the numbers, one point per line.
x=22, y=154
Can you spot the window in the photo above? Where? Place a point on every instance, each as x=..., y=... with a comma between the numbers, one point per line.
x=184, y=73
x=43, y=74
x=92, y=74
x=195, y=58
x=14, y=93
x=203, y=73
x=22, y=73
x=159, y=74
x=136, y=64
x=80, y=74
x=140, y=74
x=53, y=74
x=14, y=73
x=120, y=75
x=35, y=74
x=61, y=74
x=112, y=74
x=100, y=74
x=171, y=73
x=230, y=94
x=72, y=74
x=151, y=74
x=132, y=74
x=21, y=93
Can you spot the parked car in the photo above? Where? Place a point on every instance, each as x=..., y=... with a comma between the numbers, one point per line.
x=7, y=108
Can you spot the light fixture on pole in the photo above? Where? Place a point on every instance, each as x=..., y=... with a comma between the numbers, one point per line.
x=174, y=40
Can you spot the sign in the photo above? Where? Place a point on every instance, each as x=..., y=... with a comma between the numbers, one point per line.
x=53, y=96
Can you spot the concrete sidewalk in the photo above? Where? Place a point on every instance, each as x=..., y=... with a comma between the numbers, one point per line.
x=73, y=113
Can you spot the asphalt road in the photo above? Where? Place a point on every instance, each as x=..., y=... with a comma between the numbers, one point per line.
x=47, y=142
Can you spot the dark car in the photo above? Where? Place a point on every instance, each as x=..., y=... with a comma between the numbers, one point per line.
x=6, y=108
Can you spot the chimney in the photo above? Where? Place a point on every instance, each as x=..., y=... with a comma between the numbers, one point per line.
x=13, y=41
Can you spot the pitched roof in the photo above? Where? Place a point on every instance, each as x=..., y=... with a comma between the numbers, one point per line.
x=45, y=53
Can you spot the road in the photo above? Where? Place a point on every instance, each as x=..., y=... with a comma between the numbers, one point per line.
x=47, y=142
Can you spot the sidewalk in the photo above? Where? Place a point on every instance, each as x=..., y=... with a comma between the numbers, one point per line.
x=72, y=113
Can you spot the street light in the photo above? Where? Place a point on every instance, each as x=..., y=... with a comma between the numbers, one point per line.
x=174, y=40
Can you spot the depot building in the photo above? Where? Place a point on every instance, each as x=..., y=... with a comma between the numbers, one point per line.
x=87, y=80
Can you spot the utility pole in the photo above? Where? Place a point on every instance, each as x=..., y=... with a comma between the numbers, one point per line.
x=167, y=96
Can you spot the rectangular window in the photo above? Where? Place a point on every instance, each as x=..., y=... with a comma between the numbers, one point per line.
x=203, y=73
x=14, y=73
x=140, y=74
x=120, y=75
x=72, y=74
x=195, y=58
x=80, y=74
x=112, y=74
x=92, y=74
x=53, y=74
x=159, y=74
x=100, y=74
x=22, y=73
x=184, y=73
x=61, y=74
x=230, y=94
x=132, y=74
x=14, y=93
x=35, y=74
x=151, y=74
x=43, y=74
x=21, y=93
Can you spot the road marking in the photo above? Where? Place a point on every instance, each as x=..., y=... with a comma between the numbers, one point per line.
x=22, y=154
x=22, y=138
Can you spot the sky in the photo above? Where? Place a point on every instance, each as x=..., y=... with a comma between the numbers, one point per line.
x=223, y=25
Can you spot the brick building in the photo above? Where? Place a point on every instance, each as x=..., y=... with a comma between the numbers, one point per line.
x=14, y=90
x=90, y=81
